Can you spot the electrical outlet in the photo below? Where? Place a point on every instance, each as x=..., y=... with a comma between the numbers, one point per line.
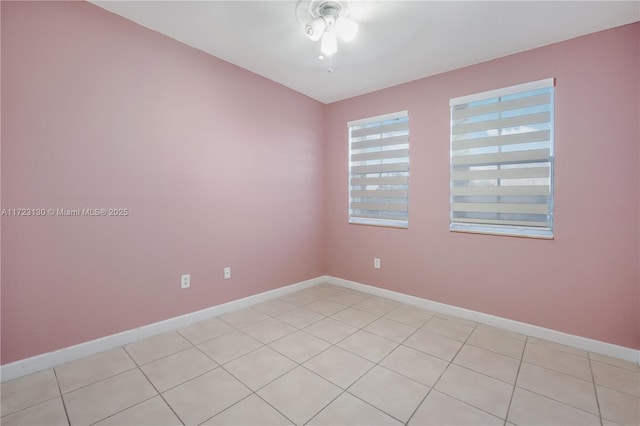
x=227, y=272
x=185, y=281
x=376, y=263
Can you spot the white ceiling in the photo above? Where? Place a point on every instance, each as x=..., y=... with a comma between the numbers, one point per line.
x=397, y=42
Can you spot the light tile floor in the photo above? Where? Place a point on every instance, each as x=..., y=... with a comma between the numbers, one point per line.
x=331, y=356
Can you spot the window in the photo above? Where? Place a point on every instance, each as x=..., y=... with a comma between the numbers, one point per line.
x=502, y=161
x=379, y=170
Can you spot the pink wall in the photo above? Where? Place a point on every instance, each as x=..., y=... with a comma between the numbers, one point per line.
x=216, y=165
x=586, y=281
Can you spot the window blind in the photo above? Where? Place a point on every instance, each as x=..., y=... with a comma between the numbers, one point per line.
x=379, y=170
x=502, y=161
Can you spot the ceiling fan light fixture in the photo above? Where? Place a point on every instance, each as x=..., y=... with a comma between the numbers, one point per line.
x=346, y=28
x=329, y=44
x=315, y=28
x=326, y=20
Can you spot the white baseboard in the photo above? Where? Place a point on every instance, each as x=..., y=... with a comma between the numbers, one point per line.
x=596, y=346
x=52, y=359
x=36, y=363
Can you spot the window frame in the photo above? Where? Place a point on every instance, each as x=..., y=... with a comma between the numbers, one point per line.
x=520, y=230
x=402, y=186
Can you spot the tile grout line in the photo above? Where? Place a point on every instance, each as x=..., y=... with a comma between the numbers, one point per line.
x=595, y=390
x=239, y=356
x=99, y=380
x=137, y=364
x=398, y=345
x=499, y=335
x=210, y=339
x=375, y=364
x=4, y=416
x=513, y=391
x=484, y=374
x=610, y=387
x=154, y=387
x=431, y=388
x=159, y=394
x=242, y=399
x=64, y=405
x=368, y=403
x=276, y=409
x=219, y=365
x=262, y=386
x=327, y=404
x=566, y=375
x=137, y=367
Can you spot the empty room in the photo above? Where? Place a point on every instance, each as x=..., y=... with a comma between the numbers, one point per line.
x=320, y=212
